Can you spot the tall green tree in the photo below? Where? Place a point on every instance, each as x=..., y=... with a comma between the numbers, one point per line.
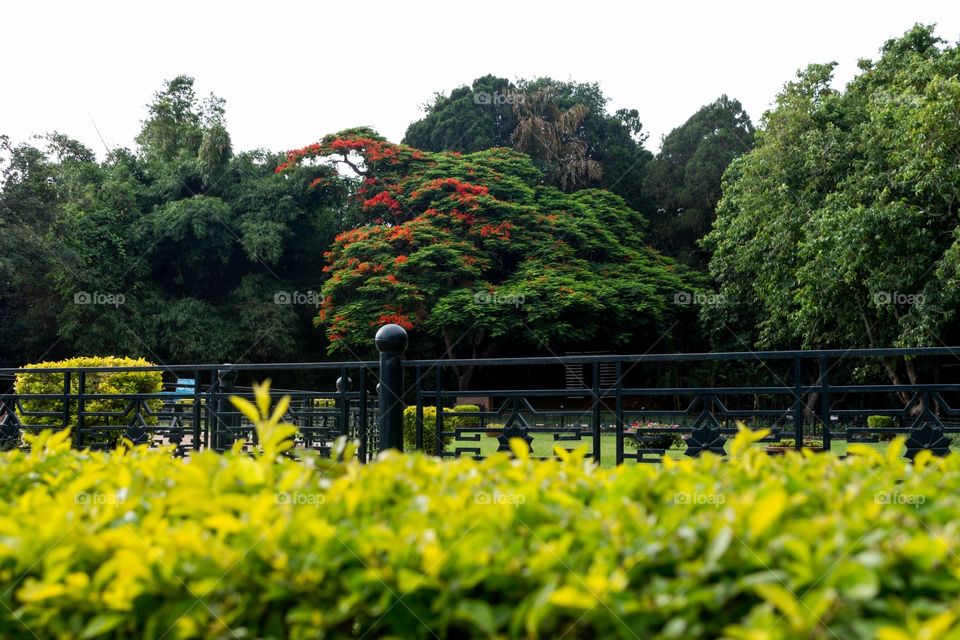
x=36, y=181
x=471, y=118
x=840, y=229
x=684, y=179
x=474, y=251
x=181, y=250
x=566, y=129
x=546, y=131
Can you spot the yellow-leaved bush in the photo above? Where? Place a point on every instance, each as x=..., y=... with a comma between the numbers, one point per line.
x=137, y=544
x=36, y=381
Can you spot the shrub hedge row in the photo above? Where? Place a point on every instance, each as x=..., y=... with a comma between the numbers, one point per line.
x=137, y=544
x=95, y=382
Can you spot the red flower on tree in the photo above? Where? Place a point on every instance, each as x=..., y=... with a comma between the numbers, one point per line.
x=467, y=239
x=383, y=199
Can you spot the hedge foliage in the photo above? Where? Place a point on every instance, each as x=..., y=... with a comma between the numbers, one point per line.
x=881, y=422
x=430, y=425
x=95, y=382
x=137, y=544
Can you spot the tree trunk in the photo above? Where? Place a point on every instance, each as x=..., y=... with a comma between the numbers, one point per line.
x=464, y=373
x=914, y=379
x=888, y=365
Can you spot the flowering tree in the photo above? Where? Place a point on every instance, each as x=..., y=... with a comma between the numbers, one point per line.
x=475, y=249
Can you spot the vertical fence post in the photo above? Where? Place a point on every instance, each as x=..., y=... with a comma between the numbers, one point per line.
x=419, y=425
x=81, y=407
x=798, y=402
x=825, y=400
x=362, y=454
x=391, y=341
x=197, y=401
x=438, y=426
x=66, y=400
x=619, y=413
x=210, y=410
x=344, y=385
x=595, y=417
x=225, y=418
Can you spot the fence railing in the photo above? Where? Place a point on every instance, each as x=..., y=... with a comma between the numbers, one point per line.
x=624, y=408
x=194, y=415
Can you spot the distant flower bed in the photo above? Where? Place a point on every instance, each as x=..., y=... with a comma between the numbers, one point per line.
x=636, y=437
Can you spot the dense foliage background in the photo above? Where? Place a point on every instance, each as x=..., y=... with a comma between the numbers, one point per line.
x=833, y=223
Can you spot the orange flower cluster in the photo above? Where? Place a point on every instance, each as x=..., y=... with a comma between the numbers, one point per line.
x=372, y=150
x=294, y=156
x=394, y=315
x=499, y=231
x=401, y=233
x=353, y=235
x=341, y=145
x=460, y=187
x=383, y=199
x=466, y=218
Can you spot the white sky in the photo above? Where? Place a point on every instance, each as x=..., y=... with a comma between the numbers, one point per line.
x=293, y=71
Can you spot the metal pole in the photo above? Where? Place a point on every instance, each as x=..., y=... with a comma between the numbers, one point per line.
x=825, y=400
x=391, y=341
x=798, y=403
x=344, y=384
x=227, y=420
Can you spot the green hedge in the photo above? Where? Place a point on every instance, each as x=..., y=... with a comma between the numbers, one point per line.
x=95, y=382
x=140, y=545
x=430, y=425
x=881, y=422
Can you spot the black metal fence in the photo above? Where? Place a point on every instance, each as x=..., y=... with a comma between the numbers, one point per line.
x=624, y=408
x=193, y=410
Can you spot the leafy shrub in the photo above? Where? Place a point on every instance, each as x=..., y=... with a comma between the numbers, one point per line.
x=430, y=426
x=881, y=422
x=136, y=544
x=810, y=443
x=96, y=382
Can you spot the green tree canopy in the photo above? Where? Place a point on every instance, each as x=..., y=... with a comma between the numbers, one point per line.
x=840, y=229
x=206, y=247
x=469, y=119
x=474, y=249
x=36, y=183
x=563, y=126
x=684, y=179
